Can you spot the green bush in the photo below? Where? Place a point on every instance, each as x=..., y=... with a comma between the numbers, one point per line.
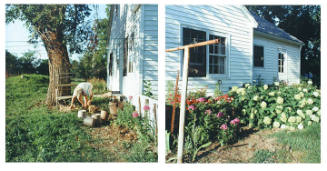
x=278, y=105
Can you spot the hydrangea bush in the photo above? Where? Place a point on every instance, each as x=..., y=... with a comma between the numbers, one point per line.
x=277, y=105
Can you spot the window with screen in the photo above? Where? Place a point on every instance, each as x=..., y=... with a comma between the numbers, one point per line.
x=197, y=63
x=125, y=56
x=258, y=56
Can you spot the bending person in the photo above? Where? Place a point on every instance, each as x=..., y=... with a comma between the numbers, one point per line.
x=83, y=89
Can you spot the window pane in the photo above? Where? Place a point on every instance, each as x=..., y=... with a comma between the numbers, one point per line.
x=197, y=65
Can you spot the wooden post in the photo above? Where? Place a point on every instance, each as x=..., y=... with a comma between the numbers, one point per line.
x=140, y=109
x=155, y=117
x=184, y=92
x=174, y=105
x=182, y=107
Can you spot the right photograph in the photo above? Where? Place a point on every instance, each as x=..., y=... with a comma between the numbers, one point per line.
x=242, y=84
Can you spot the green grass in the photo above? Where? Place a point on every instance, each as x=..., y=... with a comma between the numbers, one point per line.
x=35, y=133
x=306, y=141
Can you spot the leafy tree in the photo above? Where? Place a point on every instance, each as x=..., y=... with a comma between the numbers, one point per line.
x=11, y=64
x=94, y=61
x=43, y=67
x=302, y=22
x=61, y=29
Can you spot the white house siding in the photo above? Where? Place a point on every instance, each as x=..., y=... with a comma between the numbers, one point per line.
x=269, y=72
x=229, y=21
x=131, y=82
x=116, y=44
x=150, y=46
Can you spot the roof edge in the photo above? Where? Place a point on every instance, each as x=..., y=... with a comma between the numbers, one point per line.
x=249, y=16
x=278, y=38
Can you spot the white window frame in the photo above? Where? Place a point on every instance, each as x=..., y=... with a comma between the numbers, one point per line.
x=208, y=32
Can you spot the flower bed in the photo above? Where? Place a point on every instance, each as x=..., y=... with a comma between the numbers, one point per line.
x=212, y=119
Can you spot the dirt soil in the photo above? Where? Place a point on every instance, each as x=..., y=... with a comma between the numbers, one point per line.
x=113, y=139
x=243, y=150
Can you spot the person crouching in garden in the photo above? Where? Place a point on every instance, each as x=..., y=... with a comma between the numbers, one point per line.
x=83, y=89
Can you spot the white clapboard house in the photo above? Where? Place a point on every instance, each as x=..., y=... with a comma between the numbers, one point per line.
x=133, y=53
x=250, y=47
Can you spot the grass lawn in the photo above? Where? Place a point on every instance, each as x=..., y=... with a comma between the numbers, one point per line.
x=35, y=133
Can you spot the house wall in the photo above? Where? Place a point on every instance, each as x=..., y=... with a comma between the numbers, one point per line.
x=269, y=72
x=228, y=21
x=150, y=47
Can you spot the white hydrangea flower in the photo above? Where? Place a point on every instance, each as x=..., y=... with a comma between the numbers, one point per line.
x=280, y=107
x=267, y=120
x=309, y=123
x=301, y=94
x=278, y=111
x=297, y=97
x=315, y=108
x=298, y=119
x=309, y=101
x=271, y=93
x=263, y=105
x=310, y=82
x=252, y=116
x=300, y=113
x=276, y=83
x=283, y=117
x=316, y=94
x=292, y=119
x=314, y=118
x=302, y=103
x=265, y=87
x=300, y=126
x=276, y=124
x=308, y=112
x=280, y=100
x=289, y=109
x=243, y=111
x=241, y=91
x=247, y=85
x=234, y=89
x=305, y=90
x=318, y=113
x=256, y=98
x=299, y=88
x=283, y=126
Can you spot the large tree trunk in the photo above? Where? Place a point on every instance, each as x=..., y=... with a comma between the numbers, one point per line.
x=59, y=65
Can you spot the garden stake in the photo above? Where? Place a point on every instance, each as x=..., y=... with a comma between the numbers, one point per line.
x=184, y=92
x=140, y=106
x=174, y=105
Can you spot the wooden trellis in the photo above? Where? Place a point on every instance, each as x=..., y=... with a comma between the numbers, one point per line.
x=186, y=49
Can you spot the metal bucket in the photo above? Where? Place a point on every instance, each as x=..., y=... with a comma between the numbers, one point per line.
x=113, y=108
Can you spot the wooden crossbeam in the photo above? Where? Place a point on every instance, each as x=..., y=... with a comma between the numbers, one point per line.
x=210, y=42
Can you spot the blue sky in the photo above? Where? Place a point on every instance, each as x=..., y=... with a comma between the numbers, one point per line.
x=17, y=37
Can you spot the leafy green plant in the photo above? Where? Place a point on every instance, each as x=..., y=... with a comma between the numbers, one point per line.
x=147, y=88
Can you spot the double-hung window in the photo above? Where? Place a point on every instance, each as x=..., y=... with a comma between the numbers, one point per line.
x=281, y=62
x=217, y=55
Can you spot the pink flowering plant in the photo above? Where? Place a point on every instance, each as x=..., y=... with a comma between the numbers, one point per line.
x=209, y=120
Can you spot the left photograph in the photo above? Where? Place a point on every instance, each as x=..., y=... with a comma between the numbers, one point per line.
x=81, y=83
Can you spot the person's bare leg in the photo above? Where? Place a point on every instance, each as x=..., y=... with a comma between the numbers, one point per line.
x=91, y=97
x=86, y=102
x=80, y=99
x=72, y=103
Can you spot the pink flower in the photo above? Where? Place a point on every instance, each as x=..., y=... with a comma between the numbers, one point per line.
x=202, y=99
x=130, y=98
x=235, y=121
x=220, y=114
x=135, y=114
x=223, y=127
x=191, y=107
x=208, y=112
x=146, y=107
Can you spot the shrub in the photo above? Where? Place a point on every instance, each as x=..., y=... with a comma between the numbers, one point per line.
x=278, y=105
